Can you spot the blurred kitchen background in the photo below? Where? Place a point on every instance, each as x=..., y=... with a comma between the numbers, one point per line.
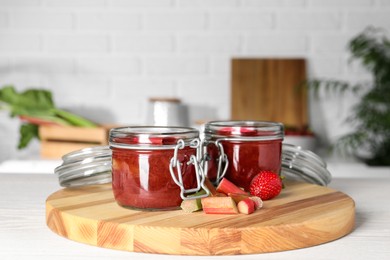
x=104, y=59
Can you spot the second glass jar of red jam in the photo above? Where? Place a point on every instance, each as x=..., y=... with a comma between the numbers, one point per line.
x=141, y=157
x=244, y=147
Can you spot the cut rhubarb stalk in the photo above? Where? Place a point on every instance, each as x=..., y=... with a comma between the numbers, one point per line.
x=226, y=186
x=210, y=187
x=191, y=205
x=246, y=206
x=237, y=197
x=219, y=205
x=258, y=202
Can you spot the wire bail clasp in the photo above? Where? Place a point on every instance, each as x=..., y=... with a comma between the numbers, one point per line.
x=200, y=177
x=222, y=160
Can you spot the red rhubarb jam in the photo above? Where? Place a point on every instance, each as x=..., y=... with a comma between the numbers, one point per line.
x=248, y=146
x=141, y=157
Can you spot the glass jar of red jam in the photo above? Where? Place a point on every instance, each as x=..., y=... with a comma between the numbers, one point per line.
x=238, y=150
x=154, y=167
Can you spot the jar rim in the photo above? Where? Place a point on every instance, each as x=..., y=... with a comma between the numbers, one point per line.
x=250, y=129
x=165, y=99
x=151, y=136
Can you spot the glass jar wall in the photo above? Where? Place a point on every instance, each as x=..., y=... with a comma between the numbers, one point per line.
x=141, y=162
x=238, y=150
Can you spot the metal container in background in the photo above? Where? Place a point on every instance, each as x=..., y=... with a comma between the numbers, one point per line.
x=166, y=112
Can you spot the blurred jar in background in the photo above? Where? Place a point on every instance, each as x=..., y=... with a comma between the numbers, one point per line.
x=163, y=111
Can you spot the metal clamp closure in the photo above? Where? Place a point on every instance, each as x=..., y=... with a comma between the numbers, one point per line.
x=223, y=161
x=200, y=177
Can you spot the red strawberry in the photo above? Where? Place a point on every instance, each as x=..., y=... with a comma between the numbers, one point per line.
x=266, y=185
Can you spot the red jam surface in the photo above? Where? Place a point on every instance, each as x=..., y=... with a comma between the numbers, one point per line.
x=155, y=140
x=246, y=158
x=141, y=178
x=242, y=131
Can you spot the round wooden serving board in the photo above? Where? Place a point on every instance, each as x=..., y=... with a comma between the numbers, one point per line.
x=302, y=215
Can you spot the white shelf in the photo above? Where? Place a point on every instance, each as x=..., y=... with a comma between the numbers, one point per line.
x=29, y=166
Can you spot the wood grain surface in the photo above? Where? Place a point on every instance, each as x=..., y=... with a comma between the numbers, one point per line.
x=268, y=89
x=303, y=215
x=57, y=141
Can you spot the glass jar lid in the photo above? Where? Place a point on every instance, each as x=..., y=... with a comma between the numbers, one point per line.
x=85, y=167
x=151, y=137
x=244, y=130
x=304, y=165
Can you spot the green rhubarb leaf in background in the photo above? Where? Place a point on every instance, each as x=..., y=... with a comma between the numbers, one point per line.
x=36, y=106
x=27, y=133
x=72, y=118
x=30, y=102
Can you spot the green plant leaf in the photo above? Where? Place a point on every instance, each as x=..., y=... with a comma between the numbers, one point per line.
x=72, y=118
x=333, y=87
x=370, y=118
x=38, y=106
x=30, y=102
x=27, y=133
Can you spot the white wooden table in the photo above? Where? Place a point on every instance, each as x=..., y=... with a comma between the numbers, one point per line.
x=24, y=234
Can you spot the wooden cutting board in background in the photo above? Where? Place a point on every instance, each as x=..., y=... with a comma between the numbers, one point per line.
x=268, y=89
x=302, y=215
x=56, y=141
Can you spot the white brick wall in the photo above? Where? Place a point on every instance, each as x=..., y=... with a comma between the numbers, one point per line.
x=279, y=44
x=12, y=43
x=109, y=21
x=3, y=20
x=37, y=20
x=241, y=19
x=76, y=43
x=105, y=58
